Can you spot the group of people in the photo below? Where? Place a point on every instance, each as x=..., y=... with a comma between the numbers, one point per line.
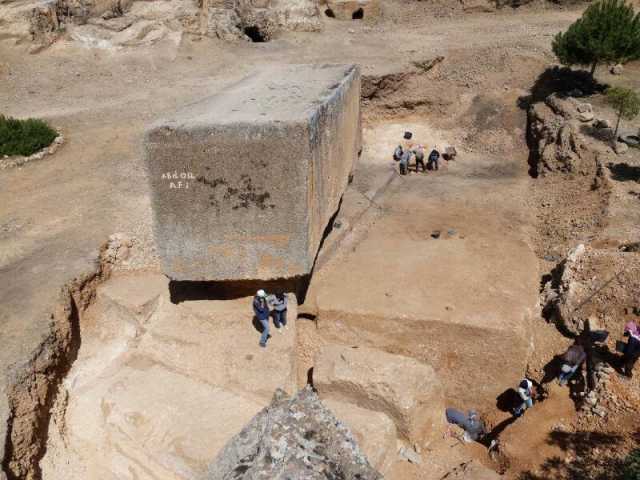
x=408, y=149
x=266, y=306
x=571, y=362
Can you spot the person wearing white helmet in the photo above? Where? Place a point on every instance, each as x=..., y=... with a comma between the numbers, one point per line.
x=261, y=311
x=525, y=391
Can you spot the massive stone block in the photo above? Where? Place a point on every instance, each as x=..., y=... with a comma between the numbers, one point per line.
x=245, y=182
x=407, y=391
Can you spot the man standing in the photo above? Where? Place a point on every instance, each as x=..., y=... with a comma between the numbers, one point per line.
x=404, y=162
x=261, y=310
x=434, y=158
x=407, y=151
x=279, y=303
x=419, y=154
x=632, y=349
x=572, y=360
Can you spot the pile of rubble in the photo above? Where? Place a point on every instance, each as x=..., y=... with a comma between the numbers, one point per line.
x=555, y=135
x=601, y=285
x=295, y=437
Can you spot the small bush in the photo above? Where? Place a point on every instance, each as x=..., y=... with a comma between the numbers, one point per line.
x=631, y=467
x=24, y=137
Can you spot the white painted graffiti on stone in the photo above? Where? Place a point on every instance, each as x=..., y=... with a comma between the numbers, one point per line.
x=181, y=179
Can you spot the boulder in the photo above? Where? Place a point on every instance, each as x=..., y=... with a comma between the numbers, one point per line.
x=224, y=23
x=621, y=148
x=244, y=183
x=293, y=438
x=406, y=390
x=584, y=108
x=630, y=139
x=616, y=69
x=585, y=116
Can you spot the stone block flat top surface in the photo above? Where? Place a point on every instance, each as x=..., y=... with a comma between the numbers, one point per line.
x=285, y=93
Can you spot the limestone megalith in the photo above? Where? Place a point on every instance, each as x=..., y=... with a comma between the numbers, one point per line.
x=244, y=183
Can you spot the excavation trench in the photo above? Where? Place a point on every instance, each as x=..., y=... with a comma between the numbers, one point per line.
x=158, y=386
x=35, y=385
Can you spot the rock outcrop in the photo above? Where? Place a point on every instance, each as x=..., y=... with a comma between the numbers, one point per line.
x=295, y=438
x=555, y=135
x=258, y=20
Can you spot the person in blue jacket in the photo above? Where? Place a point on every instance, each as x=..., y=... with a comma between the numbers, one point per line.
x=261, y=310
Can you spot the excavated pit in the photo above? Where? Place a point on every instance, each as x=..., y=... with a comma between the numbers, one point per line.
x=158, y=388
x=151, y=354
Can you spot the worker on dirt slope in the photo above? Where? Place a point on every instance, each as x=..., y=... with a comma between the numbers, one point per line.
x=261, y=310
x=434, y=159
x=525, y=392
x=474, y=428
x=572, y=360
x=407, y=150
x=632, y=349
x=418, y=153
x=279, y=310
x=404, y=162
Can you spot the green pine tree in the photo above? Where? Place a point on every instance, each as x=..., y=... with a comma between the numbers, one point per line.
x=608, y=31
x=626, y=103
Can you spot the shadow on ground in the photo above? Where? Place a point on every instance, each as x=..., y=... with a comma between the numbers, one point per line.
x=623, y=172
x=588, y=455
x=563, y=81
x=183, y=291
x=601, y=134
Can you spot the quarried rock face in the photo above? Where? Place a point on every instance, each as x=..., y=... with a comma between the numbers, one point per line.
x=244, y=183
x=258, y=20
x=406, y=390
x=294, y=438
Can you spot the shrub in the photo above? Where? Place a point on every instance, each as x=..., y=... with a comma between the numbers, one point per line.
x=24, y=137
x=608, y=31
x=631, y=466
x=626, y=103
